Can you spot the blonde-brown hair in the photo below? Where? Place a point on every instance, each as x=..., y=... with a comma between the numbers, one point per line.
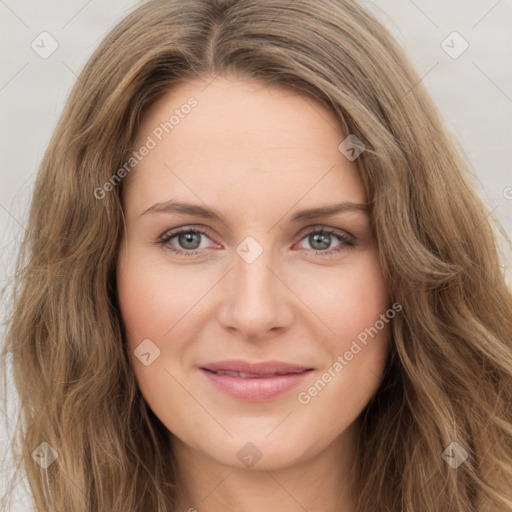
x=449, y=374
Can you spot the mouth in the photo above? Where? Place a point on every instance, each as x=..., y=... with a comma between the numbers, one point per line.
x=254, y=382
x=244, y=375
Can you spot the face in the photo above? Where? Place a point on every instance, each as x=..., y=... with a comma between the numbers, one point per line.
x=250, y=317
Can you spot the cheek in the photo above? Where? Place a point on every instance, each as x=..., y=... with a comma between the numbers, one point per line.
x=152, y=303
x=152, y=299
x=162, y=305
x=353, y=300
x=142, y=305
x=358, y=310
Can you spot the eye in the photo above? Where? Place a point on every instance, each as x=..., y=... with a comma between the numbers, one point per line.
x=321, y=239
x=188, y=242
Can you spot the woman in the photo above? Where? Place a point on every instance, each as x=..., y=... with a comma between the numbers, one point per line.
x=255, y=276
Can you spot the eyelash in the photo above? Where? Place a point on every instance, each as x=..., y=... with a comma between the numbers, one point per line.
x=346, y=241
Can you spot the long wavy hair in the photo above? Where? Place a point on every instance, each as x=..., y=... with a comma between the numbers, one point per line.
x=449, y=372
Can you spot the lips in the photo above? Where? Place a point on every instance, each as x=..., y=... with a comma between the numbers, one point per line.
x=254, y=382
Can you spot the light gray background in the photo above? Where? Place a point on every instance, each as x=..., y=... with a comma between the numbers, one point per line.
x=473, y=92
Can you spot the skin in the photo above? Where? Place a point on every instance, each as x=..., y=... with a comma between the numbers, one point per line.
x=256, y=155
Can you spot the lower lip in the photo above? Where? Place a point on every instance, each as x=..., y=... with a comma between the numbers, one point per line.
x=256, y=389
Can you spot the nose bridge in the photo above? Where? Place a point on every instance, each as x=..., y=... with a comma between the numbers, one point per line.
x=254, y=300
x=254, y=280
x=254, y=283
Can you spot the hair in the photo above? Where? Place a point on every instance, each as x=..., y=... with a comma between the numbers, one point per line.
x=449, y=372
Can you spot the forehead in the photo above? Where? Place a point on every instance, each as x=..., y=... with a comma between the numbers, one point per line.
x=243, y=136
x=232, y=112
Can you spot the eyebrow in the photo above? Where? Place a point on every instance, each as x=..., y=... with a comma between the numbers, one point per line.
x=208, y=213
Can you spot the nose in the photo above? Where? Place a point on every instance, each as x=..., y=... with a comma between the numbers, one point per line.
x=256, y=300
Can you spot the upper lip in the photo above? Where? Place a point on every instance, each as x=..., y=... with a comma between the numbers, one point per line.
x=263, y=368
